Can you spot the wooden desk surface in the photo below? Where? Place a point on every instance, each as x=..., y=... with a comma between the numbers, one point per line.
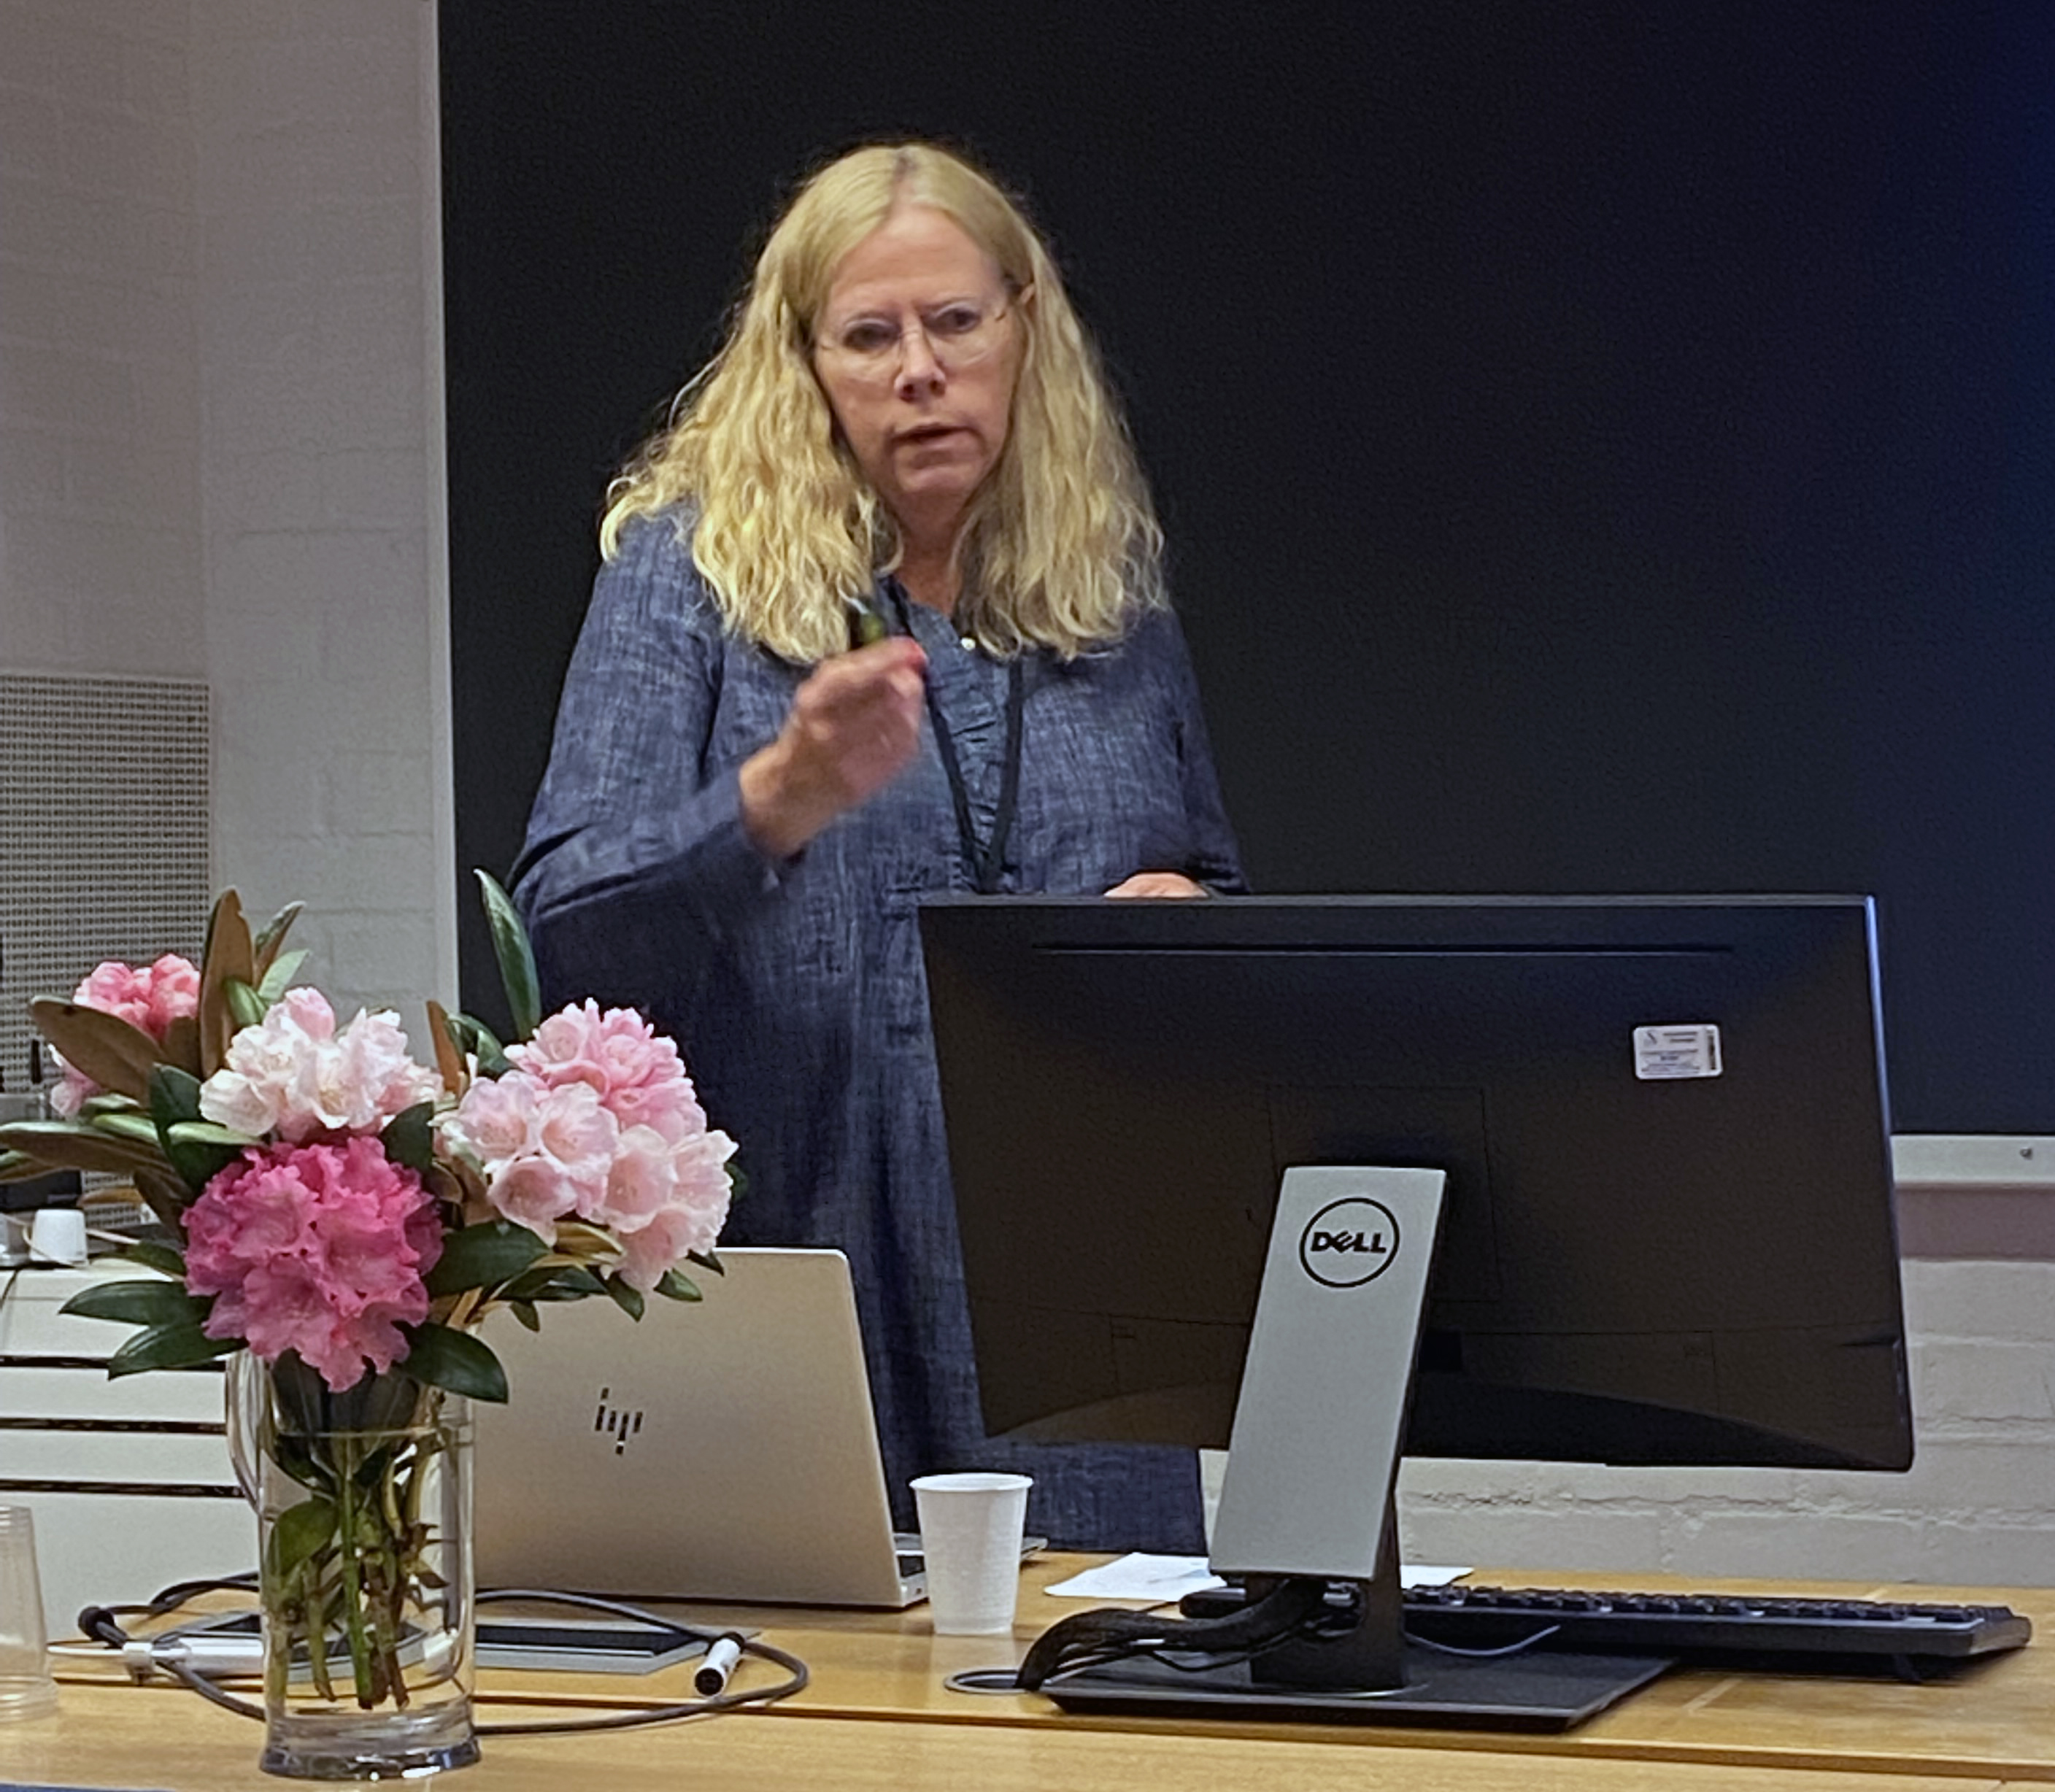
x=1995, y=1718
x=877, y=1714
x=125, y=1736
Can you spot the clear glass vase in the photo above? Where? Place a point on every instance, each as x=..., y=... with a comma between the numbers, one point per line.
x=363, y=1505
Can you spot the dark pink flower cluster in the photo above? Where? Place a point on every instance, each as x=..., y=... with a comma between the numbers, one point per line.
x=149, y=996
x=315, y=1248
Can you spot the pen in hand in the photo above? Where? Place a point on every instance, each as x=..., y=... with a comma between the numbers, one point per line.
x=866, y=626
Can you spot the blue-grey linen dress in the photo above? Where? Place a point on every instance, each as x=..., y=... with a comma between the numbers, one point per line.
x=794, y=987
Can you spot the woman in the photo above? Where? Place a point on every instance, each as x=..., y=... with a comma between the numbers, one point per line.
x=881, y=616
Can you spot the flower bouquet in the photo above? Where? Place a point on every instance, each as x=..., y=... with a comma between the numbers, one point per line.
x=344, y=1216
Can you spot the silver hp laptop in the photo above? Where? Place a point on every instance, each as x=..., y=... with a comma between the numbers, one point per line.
x=719, y=1449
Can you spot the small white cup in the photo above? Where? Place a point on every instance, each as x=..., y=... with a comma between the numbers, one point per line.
x=971, y=1530
x=27, y=1688
x=57, y=1235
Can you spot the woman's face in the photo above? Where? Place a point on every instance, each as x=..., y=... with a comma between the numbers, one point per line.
x=917, y=348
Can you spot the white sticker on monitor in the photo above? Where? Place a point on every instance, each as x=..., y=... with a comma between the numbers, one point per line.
x=1663, y=1053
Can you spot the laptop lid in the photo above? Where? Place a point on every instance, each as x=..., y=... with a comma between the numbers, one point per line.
x=721, y=1450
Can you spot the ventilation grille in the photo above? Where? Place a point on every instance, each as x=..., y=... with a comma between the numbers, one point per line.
x=102, y=834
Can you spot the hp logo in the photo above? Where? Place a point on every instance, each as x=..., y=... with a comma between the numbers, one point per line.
x=616, y=1422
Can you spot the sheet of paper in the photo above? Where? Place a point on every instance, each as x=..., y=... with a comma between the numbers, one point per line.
x=1167, y=1578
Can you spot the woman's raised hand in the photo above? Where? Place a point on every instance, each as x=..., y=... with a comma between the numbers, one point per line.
x=854, y=726
x=1173, y=883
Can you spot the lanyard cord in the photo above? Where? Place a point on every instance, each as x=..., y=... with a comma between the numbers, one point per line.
x=984, y=860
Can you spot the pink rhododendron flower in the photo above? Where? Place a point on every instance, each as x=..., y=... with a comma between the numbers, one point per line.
x=578, y=1135
x=293, y=1074
x=690, y=1221
x=618, y=1054
x=497, y=1120
x=151, y=998
x=597, y=1118
x=639, y=1182
x=315, y=1248
x=534, y=1192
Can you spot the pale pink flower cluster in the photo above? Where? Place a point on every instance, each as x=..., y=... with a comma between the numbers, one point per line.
x=315, y=1248
x=598, y=1119
x=294, y=1075
x=150, y=997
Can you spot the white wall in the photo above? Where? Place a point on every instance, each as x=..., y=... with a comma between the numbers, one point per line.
x=220, y=450
x=102, y=560
x=1977, y=1507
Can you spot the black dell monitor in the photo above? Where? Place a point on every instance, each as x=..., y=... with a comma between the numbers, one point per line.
x=1664, y=1231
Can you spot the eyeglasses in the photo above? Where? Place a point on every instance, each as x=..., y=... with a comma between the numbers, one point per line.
x=959, y=335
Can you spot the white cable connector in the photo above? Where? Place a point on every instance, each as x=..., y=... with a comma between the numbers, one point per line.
x=146, y=1656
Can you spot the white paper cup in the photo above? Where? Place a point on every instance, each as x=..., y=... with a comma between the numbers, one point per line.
x=971, y=1529
x=27, y=1688
x=57, y=1235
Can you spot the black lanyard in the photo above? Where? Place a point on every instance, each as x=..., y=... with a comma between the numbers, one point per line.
x=984, y=860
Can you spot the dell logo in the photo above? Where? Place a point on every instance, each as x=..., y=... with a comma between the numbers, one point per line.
x=1349, y=1243
x=1373, y=1243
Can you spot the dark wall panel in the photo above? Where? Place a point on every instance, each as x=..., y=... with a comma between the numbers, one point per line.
x=1605, y=446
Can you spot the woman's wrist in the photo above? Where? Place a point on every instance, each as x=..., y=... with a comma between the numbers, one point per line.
x=778, y=814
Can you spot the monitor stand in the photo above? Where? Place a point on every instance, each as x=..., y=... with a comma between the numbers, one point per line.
x=1309, y=1493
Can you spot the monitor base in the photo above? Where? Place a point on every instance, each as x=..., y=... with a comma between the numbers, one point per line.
x=1536, y=1692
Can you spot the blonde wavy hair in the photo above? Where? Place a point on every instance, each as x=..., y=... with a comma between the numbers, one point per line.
x=1061, y=547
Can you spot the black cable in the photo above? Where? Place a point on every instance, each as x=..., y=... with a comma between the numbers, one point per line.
x=1519, y=1647
x=796, y=1678
x=796, y=1671
x=1091, y=1638
x=100, y=1623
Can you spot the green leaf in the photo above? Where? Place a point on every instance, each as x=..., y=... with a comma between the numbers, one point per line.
x=674, y=1287
x=148, y=1254
x=579, y=1241
x=18, y=1166
x=264, y=948
x=136, y=1128
x=454, y=1360
x=138, y=1303
x=246, y=1006
x=449, y=1060
x=70, y=1144
x=483, y=1256
x=181, y=1043
x=293, y=1456
x=212, y=1133
x=629, y=1300
x=297, y=1533
x=94, y=1106
x=229, y=953
x=409, y=1139
x=199, y=1150
x=103, y=1046
x=517, y=959
x=553, y=1282
x=279, y=977
x=166, y=1196
x=180, y=1346
x=525, y=1312
x=302, y=1397
x=475, y=1038
x=174, y=1096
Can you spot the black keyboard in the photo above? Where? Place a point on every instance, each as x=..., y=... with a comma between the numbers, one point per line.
x=1705, y=1623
